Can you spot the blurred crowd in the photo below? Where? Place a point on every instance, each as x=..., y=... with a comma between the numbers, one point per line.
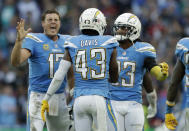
x=164, y=22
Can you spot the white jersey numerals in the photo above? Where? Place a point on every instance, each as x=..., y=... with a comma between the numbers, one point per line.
x=186, y=58
x=187, y=81
x=130, y=74
x=81, y=63
x=52, y=59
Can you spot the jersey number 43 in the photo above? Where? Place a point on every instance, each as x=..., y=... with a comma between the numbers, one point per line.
x=81, y=63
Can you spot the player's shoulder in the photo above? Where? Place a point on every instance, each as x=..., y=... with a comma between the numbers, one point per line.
x=35, y=37
x=65, y=37
x=183, y=44
x=184, y=40
x=108, y=40
x=143, y=44
x=70, y=42
x=144, y=47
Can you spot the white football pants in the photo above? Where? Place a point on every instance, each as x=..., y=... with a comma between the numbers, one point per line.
x=89, y=110
x=129, y=115
x=57, y=119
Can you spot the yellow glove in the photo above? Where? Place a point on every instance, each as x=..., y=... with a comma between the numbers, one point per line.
x=44, y=107
x=170, y=121
x=160, y=71
x=164, y=68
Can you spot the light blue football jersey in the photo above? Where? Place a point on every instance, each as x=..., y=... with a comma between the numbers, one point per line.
x=131, y=68
x=44, y=60
x=182, y=52
x=91, y=57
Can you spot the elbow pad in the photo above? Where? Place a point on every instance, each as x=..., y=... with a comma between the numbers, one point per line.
x=160, y=71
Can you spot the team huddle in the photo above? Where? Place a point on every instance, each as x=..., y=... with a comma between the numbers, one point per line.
x=104, y=74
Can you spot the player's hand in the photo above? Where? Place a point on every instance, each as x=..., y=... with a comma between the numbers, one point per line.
x=164, y=68
x=44, y=107
x=170, y=121
x=151, y=111
x=21, y=32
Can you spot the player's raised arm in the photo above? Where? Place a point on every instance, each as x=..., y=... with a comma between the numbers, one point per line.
x=178, y=74
x=113, y=71
x=18, y=54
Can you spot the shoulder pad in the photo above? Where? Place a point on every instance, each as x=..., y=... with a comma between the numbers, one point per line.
x=147, y=48
x=111, y=40
x=181, y=44
x=69, y=44
x=180, y=47
x=33, y=37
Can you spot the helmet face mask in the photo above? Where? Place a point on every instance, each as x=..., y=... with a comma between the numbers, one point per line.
x=92, y=19
x=130, y=23
x=129, y=31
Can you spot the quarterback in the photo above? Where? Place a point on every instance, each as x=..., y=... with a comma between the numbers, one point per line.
x=43, y=52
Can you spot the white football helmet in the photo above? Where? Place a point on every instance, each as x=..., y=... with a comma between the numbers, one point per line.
x=129, y=21
x=94, y=19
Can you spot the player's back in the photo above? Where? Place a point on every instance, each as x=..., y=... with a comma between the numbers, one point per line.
x=44, y=60
x=91, y=57
x=131, y=68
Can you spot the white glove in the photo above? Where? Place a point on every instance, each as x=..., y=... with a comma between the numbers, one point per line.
x=152, y=108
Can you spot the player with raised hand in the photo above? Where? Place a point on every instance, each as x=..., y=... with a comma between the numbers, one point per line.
x=180, y=70
x=43, y=52
x=93, y=57
x=134, y=59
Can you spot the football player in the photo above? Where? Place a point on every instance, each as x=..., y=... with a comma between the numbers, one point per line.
x=134, y=58
x=43, y=52
x=180, y=70
x=93, y=57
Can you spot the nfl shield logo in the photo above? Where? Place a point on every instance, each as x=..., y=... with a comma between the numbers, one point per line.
x=56, y=46
x=124, y=53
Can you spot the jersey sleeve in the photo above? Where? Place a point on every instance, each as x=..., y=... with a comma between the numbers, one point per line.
x=67, y=37
x=28, y=43
x=111, y=42
x=147, y=50
x=71, y=47
x=180, y=49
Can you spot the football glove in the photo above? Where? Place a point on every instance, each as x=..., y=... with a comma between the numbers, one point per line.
x=151, y=111
x=44, y=107
x=152, y=99
x=170, y=121
x=164, y=69
x=160, y=71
